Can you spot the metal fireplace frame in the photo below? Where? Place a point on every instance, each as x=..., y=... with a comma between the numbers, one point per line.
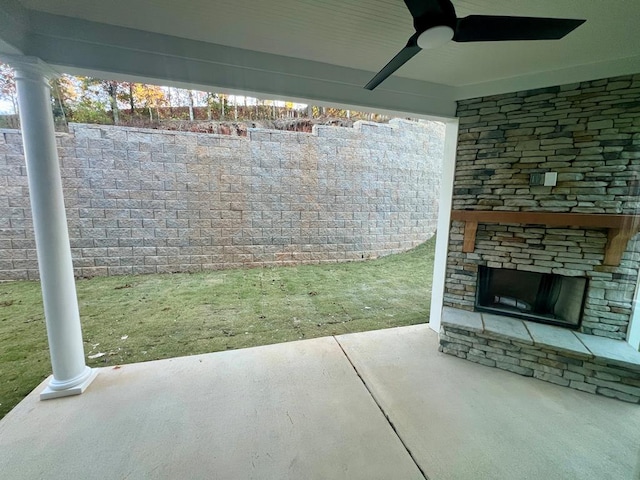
x=484, y=277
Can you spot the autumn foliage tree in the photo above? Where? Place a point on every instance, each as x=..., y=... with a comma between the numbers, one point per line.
x=64, y=96
x=94, y=91
x=8, y=86
x=148, y=97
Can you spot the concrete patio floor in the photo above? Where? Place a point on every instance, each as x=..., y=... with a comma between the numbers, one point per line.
x=376, y=405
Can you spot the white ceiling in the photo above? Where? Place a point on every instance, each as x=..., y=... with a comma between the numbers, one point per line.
x=365, y=34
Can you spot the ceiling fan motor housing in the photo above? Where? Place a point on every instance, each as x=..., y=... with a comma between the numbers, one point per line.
x=444, y=15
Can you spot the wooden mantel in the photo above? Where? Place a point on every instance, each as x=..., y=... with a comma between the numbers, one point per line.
x=620, y=227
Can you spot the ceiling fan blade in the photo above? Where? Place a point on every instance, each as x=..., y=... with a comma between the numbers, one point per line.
x=419, y=8
x=490, y=28
x=396, y=62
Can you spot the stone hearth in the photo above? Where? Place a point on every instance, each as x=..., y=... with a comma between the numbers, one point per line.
x=553, y=354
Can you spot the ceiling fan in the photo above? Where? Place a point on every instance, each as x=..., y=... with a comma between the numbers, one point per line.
x=436, y=23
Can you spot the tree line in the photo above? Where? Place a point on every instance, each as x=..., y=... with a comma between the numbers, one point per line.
x=94, y=100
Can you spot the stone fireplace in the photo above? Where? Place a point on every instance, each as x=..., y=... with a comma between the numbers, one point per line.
x=565, y=253
x=573, y=253
x=589, y=135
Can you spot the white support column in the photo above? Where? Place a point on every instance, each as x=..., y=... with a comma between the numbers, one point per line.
x=633, y=335
x=71, y=375
x=444, y=222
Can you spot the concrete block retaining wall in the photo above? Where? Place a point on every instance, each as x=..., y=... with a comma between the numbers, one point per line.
x=146, y=201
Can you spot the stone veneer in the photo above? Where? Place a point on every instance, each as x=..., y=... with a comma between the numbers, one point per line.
x=553, y=354
x=589, y=133
x=148, y=201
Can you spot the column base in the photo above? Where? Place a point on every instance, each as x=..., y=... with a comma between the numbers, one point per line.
x=49, y=393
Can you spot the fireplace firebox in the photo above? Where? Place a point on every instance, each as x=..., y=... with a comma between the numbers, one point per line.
x=540, y=297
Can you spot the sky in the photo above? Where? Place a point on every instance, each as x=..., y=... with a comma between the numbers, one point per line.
x=6, y=107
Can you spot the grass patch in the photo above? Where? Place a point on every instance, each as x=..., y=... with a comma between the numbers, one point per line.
x=130, y=319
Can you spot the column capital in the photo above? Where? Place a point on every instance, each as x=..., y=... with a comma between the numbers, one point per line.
x=29, y=68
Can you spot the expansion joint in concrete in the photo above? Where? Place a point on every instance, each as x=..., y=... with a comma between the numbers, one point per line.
x=386, y=416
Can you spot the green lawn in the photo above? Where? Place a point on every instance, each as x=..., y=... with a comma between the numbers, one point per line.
x=138, y=318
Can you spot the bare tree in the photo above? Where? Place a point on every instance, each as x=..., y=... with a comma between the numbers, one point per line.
x=190, y=95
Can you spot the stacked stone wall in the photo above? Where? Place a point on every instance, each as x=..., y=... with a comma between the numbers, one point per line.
x=144, y=201
x=589, y=133
x=584, y=373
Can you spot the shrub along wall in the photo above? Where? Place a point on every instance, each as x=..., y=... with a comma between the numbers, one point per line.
x=146, y=201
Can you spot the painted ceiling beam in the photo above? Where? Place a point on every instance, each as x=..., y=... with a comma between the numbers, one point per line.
x=79, y=46
x=14, y=27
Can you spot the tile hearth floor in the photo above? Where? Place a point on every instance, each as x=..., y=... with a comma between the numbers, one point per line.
x=346, y=407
